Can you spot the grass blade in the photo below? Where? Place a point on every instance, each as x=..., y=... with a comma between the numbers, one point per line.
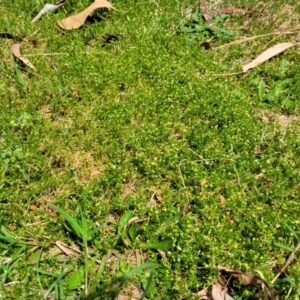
x=76, y=228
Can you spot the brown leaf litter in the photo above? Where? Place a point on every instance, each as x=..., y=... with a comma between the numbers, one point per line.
x=78, y=20
x=217, y=291
x=214, y=292
x=249, y=279
x=16, y=52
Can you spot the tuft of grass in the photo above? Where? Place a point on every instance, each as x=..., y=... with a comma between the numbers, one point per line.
x=148, y=169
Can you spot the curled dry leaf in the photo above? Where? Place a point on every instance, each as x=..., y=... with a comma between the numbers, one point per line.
x=248, y=279
x=123, y=297
x=16, y=52
x=287, y=263
x=47, y=8
x=267, y=55
x=66, y=249
x=206, y=15
x=74, y=91
x=214, y=292
x=162, y=254
x=32, y=207
x=203, y=183
x=223, y=201
x=12, y=227
x=245, y=279
x=135, y=220
x=77, y=20
x=51, y=213
x=54, y=66
x=159, y=198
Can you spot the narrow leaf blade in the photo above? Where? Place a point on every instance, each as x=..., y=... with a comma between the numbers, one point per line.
x=267, y=55
x=72, y=221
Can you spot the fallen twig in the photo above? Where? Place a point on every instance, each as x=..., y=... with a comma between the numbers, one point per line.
x=253, y=38
x=287, y=263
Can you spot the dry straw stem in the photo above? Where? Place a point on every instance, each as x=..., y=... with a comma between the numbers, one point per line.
x=47, y=54
x=224, y=74
x=288, y=262
x=254, y=38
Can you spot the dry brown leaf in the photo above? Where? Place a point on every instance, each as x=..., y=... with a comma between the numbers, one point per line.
x=248, y=279
x=54, y=66
x=162, y=254
x=207, y=18
x=32, y=207
x=223, y=201
x=159, y=198
x=134, y=219
x=51, y=213
x=77, y=20
x=267, y=55
x=125, y=242
x=214, y=292
x=67, y=250
x=12, y=227
x=203, y=182
x=233, y=10
x=123, y=297
x=74, y=91
x=287, y=263
x=206, y=14
x=16, y=52
x=245, y=279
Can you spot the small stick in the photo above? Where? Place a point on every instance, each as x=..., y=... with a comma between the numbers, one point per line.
x=288, y=262
x=253, y=38
x=225, y=74
x=46, y=54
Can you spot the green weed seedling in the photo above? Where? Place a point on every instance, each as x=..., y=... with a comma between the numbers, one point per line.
x=112, y=289
x=58, y=284
x=196, y=28
x=14, y=248
x=287, y=281
x=81, y=229
x=277, y=91
x=146, y=278
x=126, y=232
x=16, y=76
